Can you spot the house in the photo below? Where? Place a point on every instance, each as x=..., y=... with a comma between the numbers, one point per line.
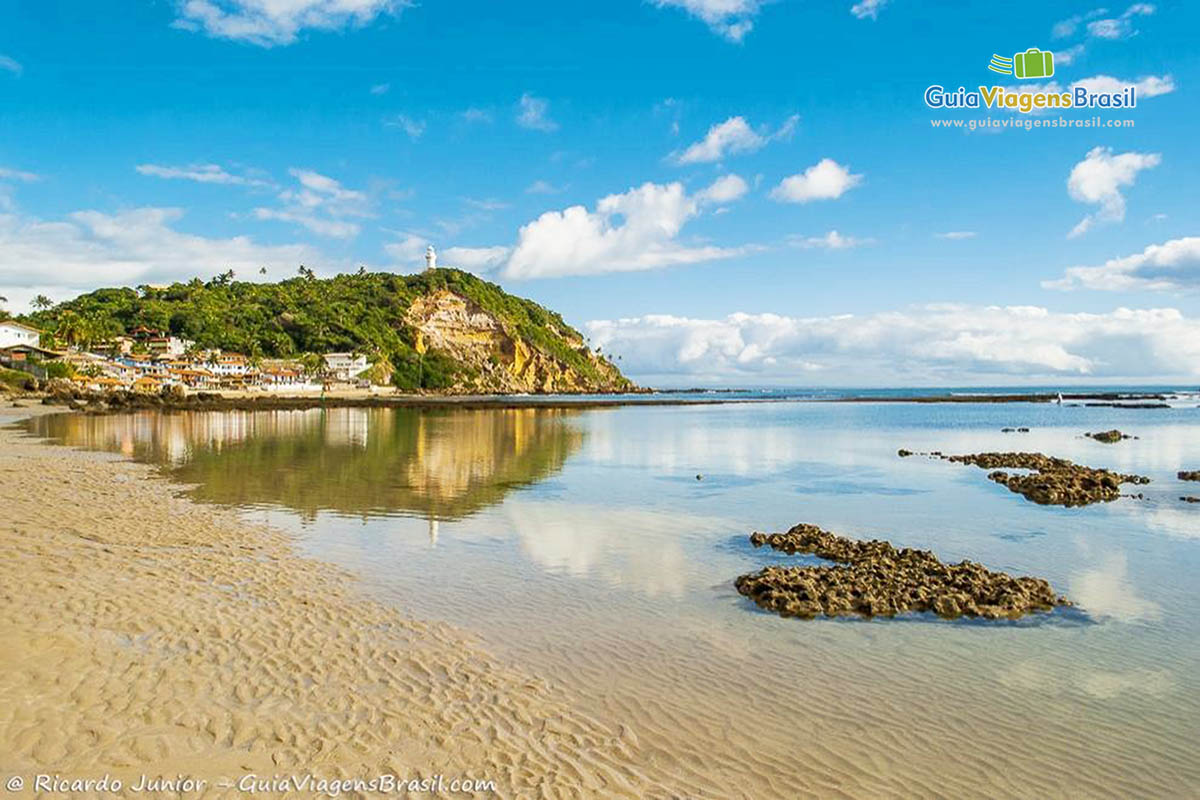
x=14, y=333
x=27, y=352
x=345, y=366
x=229, y=365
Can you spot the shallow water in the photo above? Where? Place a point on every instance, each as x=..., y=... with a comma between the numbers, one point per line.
x=582, y=544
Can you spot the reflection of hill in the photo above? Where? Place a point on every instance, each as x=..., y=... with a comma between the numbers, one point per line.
x=440, y=464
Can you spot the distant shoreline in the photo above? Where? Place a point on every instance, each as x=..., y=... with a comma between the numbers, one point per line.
x=113, y=402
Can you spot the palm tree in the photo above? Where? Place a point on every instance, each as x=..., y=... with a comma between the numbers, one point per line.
x=41, y=302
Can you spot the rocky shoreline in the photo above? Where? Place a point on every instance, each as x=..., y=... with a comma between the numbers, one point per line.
x=874, y=578
x=1109, y=437
x=1049, y=481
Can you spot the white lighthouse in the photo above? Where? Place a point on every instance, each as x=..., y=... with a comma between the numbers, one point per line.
x=430, y=259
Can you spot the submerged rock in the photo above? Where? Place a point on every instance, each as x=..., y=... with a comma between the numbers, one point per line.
x=1051, y=481
x=873, y=578
x=1109, y=437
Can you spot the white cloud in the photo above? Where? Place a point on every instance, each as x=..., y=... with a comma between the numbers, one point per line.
x=9, y=64
x=89, y=249
x=409, y=250
x=732, y=19
x=1100, y=26
x=636, y=230
x=1065, y=58
x=933, y=344
x=1171, y=266
x=725, y=189
x=278, y=22
x=413, y=127
x=320, y=204
x=200, y=173
x=1149, y=86
x=1098, y=180
x=475, y=259
x=7, y=174
x=381, y=88
x=473, y=115
x=1120, y=27
x=956, y=235
x=825, y=180
x=868, y=9
x=830, y=241
x=533, y=113
x=731, y=137
x=542, y=187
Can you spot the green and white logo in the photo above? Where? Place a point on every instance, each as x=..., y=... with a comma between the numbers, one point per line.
x=1033, y=63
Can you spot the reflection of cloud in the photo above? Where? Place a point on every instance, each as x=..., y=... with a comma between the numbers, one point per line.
x=1106, y=591
x=624, y=547
x=1101, y=684
x=1107, y=685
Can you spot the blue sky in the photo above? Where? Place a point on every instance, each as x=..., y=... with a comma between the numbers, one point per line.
x=669, y=175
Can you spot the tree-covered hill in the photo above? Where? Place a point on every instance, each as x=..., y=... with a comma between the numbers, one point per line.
x=523, y=346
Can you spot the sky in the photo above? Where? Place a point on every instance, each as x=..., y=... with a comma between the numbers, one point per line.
x=720, y=192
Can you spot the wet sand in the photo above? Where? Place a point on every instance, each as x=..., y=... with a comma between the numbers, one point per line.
x=142, y=633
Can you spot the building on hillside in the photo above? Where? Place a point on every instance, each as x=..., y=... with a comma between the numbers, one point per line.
x=27, y=352
x=229, y=365
x=13, y=333
x=345, y=366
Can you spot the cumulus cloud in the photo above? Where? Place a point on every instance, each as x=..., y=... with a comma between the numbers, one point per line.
x=200, y=173
x=934, y=344
x=408, y=250
x=731, y=137
x=533, y=113
x=9, y=64
x=825, y=180
x=1067, y=57
x=732, y=19
x=319, y=203
x=475, y=259
x=830, y=241
x=1098, y=180
x=90, y=248
x=1170, y=266
x=635, y=230
x=278, y=22
x=725, y=189
x=868, y=9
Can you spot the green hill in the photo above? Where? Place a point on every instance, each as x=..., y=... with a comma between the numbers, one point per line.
x=443, y=330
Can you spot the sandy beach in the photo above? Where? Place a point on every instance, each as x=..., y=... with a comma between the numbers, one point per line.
x=144, y=634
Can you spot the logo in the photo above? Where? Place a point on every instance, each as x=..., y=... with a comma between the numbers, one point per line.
x=1033, y=63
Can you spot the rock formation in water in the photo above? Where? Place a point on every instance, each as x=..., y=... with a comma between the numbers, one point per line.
x=1049, y=481
x=1190, y=475
x=873, y=578
x=1109, y=437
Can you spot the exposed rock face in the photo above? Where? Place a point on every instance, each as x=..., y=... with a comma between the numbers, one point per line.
x=879, y=580
x=501, y=360
x=1190, y=475
x=1052, y=481
x=1109, y=437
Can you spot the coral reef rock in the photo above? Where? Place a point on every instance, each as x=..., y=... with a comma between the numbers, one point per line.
x=1050, y=481
x=1109, y=437
x=873, y=578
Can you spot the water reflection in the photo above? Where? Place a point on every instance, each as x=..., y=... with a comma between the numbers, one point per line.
x=442, y=465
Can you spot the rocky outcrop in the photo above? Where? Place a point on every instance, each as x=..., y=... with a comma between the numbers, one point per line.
x=1049, y=481
x=501, y=360
x=1109, y=437
x=876, y=579
x=1190, y=475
